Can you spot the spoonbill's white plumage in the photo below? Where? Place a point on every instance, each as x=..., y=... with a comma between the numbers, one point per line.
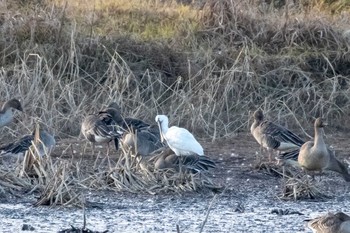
x=180, y=140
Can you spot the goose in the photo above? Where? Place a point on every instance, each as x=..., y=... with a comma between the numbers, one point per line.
x=126, y=123
x=273, y=136
x=317, y=156
x=143, y=141
x=102, y=127
x=6, y=113
x=193, y=163
x=44, y=147
x=128, y=127
x=330, y=223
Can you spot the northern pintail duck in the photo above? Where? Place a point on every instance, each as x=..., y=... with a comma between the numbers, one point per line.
x=44, y=146
x=192, y=163
x=317, y=156
x=180, y=140
x=6, y=113
x=330, y=223
x=143, y=141
x=273, y=136
x=102, y=127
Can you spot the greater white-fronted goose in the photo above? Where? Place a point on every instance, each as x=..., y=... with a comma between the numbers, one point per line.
x=6, y=113
x=44, y=146
x=127, y=123
x=102, y=127
x=316, y=155
x=330, y=223
x=143, y=141
x=192, y=163
x=273, y=136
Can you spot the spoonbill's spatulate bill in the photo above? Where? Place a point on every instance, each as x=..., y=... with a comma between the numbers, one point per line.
x=180, y=140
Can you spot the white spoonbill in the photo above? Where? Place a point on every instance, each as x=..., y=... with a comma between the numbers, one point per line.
x=180, y=140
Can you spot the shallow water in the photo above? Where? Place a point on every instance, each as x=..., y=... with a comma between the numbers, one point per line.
x=160, y=213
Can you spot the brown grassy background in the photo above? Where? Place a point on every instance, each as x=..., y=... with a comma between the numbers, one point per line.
x=206, y=64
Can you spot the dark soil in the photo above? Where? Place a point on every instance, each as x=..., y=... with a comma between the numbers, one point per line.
x=250, y=203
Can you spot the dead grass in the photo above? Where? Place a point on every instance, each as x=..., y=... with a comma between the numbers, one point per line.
x=205, y=66
x=11, y=184
x=58, y=186
x=301, y=188
x=134, y=175
x=238, y=57
x=295, y=185
x=62, y=182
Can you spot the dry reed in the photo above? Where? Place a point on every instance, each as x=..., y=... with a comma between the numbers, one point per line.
x=235, y=57
x=239, y=58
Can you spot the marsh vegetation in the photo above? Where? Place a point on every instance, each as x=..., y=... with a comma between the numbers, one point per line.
x=207, y=65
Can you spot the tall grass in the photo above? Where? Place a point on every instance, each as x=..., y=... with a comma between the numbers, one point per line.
x=204, y=65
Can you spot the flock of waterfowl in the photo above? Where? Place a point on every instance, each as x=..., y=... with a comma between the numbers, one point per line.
x=45, y=144
x=310, y=156
x=142, y=139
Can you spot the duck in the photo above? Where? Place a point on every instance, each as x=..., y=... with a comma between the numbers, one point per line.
x=102, y=127
x=44, y=146
x=317, y=156
x=273, y=136
x=6, y=112
x=330, y=223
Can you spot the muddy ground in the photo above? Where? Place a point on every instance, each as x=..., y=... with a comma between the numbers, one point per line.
x=247, y=204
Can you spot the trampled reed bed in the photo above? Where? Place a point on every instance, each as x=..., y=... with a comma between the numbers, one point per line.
x=206, y=67
x=300, y=188
x=134, y=174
